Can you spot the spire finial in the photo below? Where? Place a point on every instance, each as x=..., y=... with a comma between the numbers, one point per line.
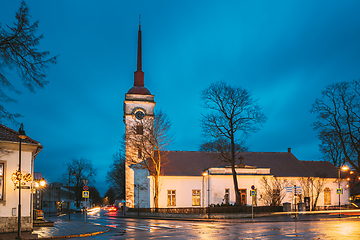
x=139, y=21
x=139, y=74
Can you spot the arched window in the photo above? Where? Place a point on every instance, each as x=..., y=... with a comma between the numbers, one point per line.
x=327, y=196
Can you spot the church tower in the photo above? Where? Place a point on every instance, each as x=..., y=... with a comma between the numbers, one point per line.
x=138, y=107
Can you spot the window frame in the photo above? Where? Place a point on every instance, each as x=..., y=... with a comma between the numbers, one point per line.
x=171, y=198
x=139, y=129
x=196, y=197
x=327, y=196
x=2, y=181
x=227, y=196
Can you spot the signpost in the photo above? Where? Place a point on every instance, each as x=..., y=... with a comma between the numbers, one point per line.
x=85, y=194
x=253, y=194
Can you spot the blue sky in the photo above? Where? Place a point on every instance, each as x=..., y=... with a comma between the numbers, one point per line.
x=283, y=52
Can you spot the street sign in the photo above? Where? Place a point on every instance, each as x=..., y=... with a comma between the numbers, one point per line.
x=85, y=194
x=86, y=188
x=339, y=191
x=252, y=193
x=288, y=189
x=252, y=187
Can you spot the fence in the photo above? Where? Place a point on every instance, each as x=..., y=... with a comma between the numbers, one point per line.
x=214, y=209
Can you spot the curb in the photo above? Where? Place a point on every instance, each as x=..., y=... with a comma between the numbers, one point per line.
x=73, y=236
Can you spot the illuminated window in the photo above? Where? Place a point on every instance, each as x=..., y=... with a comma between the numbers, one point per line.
x=1, y=181
x=171, y=197
x=196, y=197
x=227, y=195
x=139, y=129
x=327, y=196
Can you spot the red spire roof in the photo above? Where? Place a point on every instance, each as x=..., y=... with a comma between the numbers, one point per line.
x=138, y=87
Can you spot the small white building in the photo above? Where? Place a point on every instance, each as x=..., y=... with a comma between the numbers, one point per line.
x=198, y=179
x=9, y=193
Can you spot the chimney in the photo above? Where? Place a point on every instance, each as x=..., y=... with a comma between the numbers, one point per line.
x=289, y=150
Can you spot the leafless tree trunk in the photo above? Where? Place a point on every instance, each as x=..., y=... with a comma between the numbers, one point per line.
x=338, y=123
x=233, y=116
x=319, y=184
x=272, y=191
x=18, y=49
x=80, y=169
x=151, y=142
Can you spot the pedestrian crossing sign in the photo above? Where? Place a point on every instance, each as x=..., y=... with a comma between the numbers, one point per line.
x=85, y=194
x=339, y=191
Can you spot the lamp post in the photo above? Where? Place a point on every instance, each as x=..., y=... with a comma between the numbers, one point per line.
x=344, y=168
x=22, y=136
x=70, y=173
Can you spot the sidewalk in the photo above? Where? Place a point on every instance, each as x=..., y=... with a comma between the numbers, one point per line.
x=61, y=229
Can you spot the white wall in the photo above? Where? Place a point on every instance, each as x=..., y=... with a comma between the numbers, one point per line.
x=11, y=195
x=216, y=184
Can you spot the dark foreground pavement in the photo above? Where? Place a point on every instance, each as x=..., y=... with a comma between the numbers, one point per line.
x=61, y=229
x=71, y=229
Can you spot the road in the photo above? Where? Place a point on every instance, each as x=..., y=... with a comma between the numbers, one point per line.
x=281, y=228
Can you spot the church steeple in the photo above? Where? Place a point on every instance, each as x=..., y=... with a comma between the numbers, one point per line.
x=138, y=87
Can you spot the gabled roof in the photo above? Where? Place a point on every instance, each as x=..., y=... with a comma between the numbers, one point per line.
x=10, y=135
x=322, y=168
x=282, y=164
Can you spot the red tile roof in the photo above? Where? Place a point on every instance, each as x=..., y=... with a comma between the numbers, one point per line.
x=281, y=164
x=10, y=135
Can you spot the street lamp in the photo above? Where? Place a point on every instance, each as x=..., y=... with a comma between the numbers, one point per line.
x=344, y=168
x=203, y=199
x=70, y=173
x=22, y=136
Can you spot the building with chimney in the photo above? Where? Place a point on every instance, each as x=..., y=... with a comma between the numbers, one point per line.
x=200, y=179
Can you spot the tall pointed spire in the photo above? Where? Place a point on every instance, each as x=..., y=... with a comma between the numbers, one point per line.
x=139, y=60
x=138, y=87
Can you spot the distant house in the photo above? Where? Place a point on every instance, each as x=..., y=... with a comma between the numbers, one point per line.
x=9, y=193
x=37, y=191
x=198, y=179
x=56, y=198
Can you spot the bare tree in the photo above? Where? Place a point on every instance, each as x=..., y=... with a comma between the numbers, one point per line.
x=338, y=123
x=79, y=169
x=318, y=188
x=18, y=49
x=233, y=116
x=272, y=190
x=150, y=137
x=116, y=174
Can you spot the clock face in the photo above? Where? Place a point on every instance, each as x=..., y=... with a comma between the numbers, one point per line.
x=139, y=114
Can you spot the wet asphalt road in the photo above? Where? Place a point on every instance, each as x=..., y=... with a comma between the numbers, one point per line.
x=307, y=227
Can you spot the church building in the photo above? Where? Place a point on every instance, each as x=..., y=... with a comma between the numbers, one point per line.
x=200, y=179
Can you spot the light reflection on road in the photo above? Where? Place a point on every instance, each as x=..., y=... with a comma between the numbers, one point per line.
x=127, y=228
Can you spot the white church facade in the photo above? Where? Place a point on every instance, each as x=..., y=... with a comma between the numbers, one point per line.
x=199, y=179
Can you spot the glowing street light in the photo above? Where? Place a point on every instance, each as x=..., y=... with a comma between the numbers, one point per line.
x=343, y=168
x=22, y=136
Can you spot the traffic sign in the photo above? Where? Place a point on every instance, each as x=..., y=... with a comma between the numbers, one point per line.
x=339, y=191
x=85, y=194
x=86, y=188
x=252, y=193
x=252, y=187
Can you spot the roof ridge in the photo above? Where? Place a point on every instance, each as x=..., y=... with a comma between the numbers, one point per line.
x=9, y=134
